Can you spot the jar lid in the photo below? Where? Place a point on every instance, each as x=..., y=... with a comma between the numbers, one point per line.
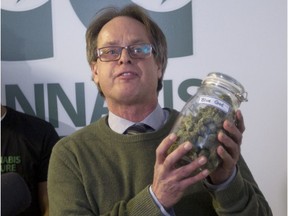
x=227, y=82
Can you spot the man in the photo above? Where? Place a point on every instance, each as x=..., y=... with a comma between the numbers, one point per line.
x=26, y=145
x=103, y=170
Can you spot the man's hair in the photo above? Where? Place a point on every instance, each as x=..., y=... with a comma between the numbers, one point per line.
x=157, y=37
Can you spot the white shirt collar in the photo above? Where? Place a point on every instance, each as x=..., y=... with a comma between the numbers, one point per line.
x=155, y=119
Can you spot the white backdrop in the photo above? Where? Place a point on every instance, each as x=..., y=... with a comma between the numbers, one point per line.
x=243, y=38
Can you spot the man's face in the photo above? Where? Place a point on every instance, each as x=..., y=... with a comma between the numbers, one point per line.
x=128, y=80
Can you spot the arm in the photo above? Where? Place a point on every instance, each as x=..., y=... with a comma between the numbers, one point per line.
x=242, y=196
x=50, y=138
x=43, y=198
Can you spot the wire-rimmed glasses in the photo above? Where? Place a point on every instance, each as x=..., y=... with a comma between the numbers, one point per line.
x=113, y=53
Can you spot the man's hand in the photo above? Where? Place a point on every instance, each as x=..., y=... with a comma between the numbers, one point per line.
x=230, y=151
x=170, y=181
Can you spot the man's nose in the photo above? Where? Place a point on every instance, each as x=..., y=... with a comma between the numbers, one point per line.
x=125, y=57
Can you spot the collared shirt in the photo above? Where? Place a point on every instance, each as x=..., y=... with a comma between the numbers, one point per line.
x=155, y=120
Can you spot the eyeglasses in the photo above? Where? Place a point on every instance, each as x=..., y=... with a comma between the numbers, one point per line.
x=113, y=53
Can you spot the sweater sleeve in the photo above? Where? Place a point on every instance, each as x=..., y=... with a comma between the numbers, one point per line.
x=242, y=197
x=67, y=193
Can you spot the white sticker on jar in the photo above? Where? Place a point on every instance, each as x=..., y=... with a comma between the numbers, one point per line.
x=214, y=102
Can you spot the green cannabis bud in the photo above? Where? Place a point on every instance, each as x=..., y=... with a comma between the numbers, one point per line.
x=201, y=127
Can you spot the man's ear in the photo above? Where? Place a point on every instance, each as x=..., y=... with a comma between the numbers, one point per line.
x=93, y=67
x=159, y=70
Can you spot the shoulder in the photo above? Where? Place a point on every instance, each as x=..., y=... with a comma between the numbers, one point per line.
x=84, y=136
x=29, y=120
x=33, y=128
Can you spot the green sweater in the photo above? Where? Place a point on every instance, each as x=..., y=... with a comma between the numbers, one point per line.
x=96, y=171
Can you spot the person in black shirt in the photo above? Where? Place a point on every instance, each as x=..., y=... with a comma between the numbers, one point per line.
x=26, y=145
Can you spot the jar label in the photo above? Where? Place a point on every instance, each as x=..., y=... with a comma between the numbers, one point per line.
x=214, y=102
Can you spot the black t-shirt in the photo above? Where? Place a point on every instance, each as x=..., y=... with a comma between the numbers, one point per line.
x=26, y=145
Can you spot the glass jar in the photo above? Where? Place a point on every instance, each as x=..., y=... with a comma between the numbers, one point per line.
x=202, y=117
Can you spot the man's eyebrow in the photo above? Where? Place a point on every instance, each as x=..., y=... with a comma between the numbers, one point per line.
x=116, y=43
x=139, y=41
x=112, y=43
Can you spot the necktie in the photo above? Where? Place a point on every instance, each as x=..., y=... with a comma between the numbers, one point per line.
x=138, y=128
